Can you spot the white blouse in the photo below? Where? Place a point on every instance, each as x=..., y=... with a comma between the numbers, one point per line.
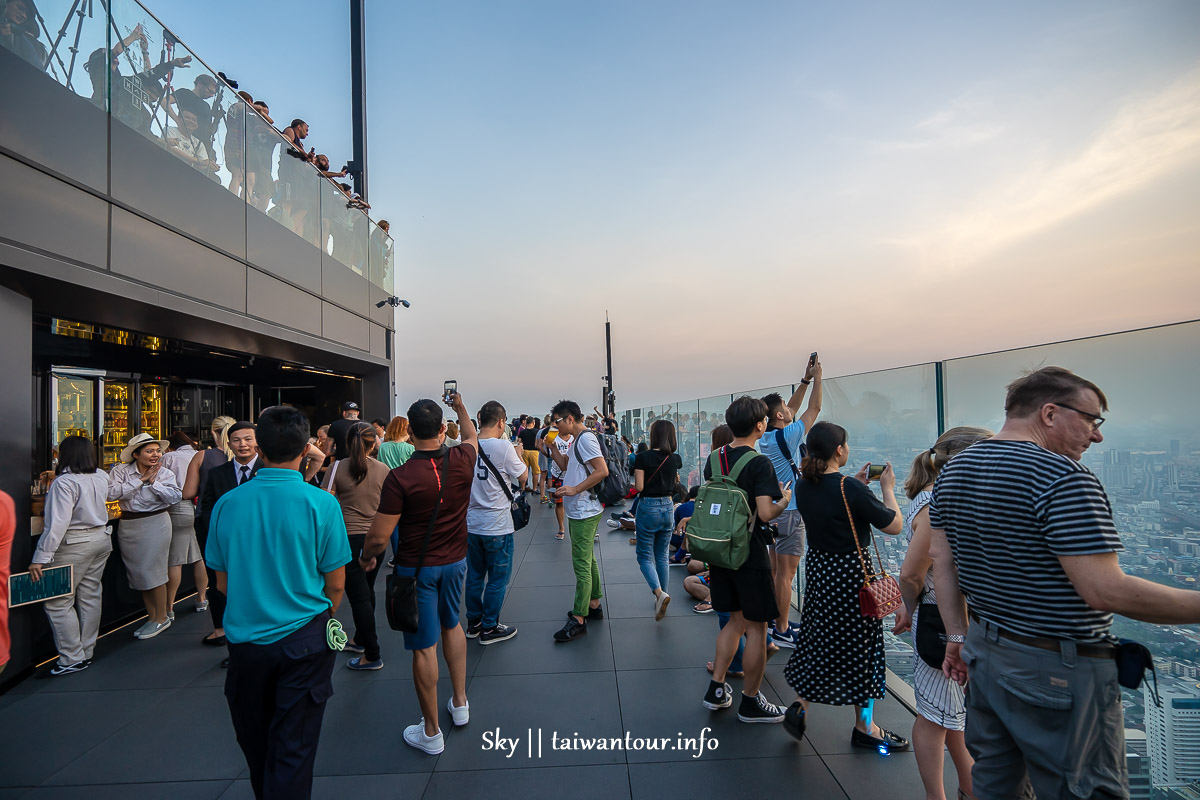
x=74, y=503
x=125, y=484
x=178, y=460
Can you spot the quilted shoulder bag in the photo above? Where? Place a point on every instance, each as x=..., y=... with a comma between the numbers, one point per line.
x=880, y=593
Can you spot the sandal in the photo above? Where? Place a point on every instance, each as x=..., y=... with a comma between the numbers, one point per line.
x=703, y=607
x=886, y=742
x=560, y=535
x=632, y=540
x=728, y=674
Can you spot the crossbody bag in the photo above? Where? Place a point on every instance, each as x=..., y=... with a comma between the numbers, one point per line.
x=880, y=593
x=518, y=505
x=400, y=600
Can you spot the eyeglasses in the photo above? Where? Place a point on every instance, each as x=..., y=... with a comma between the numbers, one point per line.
x=1096, y=420
x=559, y=420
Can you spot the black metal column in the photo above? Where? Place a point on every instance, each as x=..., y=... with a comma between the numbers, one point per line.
x=609, y=403
x=358, y=92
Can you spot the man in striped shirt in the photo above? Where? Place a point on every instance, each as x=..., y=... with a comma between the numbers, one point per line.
x=1026, y=533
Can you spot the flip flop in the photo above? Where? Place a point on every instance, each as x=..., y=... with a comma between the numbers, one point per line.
x=560, y=535
x=708, y=609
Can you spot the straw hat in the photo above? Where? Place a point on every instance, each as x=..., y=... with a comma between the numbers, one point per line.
x=138, y=441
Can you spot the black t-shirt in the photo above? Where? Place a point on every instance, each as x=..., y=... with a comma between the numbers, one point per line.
x=825, y=522
x=528, y=438
x=337, y=432
x=758, y=479
x=187, y=100
x=662, y=482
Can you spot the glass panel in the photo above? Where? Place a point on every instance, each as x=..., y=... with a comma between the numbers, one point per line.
x=688, y=441
x=185, y=412
x=162, y=91
x=75, y=408
x=294, y=197
x=712, y=414
x=118, y=422
x=1147, y=464
x=379, y=257
x=152, y=408
x=262, y=142
x=67, y=46
x=343, y=228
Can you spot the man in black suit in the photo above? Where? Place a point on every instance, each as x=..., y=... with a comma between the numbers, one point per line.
x=221, y=480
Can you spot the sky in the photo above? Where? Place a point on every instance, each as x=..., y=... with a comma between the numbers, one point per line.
x=738, y=184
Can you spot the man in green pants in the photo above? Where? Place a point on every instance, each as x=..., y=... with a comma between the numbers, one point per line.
x=583, y=468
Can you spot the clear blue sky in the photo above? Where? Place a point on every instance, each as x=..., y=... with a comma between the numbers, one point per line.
x=741, y=183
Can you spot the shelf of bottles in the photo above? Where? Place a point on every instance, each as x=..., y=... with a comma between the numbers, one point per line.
x=153, y=397
x=118, y=424
x=184, y=411
x=75, y=407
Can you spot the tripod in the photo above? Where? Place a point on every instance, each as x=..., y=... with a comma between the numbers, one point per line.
x=79, y=9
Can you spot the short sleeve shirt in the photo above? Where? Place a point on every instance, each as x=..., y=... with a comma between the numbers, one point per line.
x=585, y=505
x=489, y=513
x=793, y=437
x=661, y=472
x=411, y=490
x=757, y=479
x=275, y=538
x=824, y=513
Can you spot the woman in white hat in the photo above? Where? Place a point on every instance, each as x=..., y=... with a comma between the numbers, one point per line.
x=146, y=491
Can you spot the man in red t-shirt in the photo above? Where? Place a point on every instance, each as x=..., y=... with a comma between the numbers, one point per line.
x=409, y=500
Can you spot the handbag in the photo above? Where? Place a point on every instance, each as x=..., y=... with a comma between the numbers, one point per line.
x=930, y=640
x=518, y=505
x=400, y=599
x=880, y=593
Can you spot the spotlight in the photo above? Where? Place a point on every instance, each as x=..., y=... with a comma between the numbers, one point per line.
x=394, y=302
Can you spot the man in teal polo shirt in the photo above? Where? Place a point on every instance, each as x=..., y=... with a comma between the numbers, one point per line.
x=279, y=548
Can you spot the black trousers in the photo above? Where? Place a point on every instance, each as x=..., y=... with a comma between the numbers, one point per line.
x=360, y=591
x=277, y=694
x=216, y=598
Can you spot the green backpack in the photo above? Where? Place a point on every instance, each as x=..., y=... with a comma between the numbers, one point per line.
x=719, y=531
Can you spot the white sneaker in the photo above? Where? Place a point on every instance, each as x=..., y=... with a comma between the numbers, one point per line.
x=660, y=605
x=414, y=736
x=460, y=716
x=152, y=629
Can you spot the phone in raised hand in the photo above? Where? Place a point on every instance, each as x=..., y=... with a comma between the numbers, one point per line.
x=449, y=390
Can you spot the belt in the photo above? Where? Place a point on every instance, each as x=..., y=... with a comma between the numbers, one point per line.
x=1054, y=645
x=141, y=514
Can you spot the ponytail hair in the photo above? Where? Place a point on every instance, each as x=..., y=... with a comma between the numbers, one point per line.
x=356, y=462
x=823, y=442
x=220, y=431
x=929, y=463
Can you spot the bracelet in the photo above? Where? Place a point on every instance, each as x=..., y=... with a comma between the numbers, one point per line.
x=804, y=382
x=955, y=638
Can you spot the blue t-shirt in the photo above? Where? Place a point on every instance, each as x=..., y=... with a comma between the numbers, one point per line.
x=684, y=510
x=793, y=435
x=275, y=537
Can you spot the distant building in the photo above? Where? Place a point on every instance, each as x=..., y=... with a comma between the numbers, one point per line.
x=1173, y=734
x=1137, y=759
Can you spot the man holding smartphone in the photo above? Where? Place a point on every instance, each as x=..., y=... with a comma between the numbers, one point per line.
x=783, y=443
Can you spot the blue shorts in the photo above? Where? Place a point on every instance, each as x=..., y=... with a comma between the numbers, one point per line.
x=439, y=596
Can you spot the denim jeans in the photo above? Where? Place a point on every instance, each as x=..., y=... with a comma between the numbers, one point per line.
x=736, y=664
x=655, y=520
x=489, y=556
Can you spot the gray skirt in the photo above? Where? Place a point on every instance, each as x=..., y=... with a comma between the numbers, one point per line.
x=184, y=547
x=145, y=547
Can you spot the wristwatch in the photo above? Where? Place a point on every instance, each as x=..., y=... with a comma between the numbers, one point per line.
x=956, y=638
x=805, y=381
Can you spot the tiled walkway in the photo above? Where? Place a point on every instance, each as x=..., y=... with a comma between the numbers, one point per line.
x=149, y=719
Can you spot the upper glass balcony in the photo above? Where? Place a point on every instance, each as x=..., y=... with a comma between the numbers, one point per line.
x=203, y=160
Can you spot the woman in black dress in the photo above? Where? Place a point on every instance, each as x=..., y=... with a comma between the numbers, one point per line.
x=839, y=661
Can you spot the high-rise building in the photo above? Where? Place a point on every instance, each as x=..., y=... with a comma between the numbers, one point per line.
x=1137, y=759
x=1173, y=733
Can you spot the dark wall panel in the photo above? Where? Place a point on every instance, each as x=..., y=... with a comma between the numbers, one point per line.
x=342, y=326
x=280, y=302
x=344, y=286
x=50, y=215
x=277, y=250
x=150, y=253
x=149, y=178
x=51, y=125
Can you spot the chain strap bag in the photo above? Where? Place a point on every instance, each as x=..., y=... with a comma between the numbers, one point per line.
x=400, y=600
x=880, y=593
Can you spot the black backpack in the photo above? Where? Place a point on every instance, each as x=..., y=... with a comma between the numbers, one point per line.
x=615, y=487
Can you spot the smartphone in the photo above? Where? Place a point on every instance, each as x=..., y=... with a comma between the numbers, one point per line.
x=812, y=361
x=875, y=470
x=450, y=388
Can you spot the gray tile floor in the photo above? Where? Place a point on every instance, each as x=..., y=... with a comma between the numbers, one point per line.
x=149, y=719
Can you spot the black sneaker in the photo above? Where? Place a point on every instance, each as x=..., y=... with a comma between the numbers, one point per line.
x=718, y=696
x=793, y=720
x=572, y=630
x=887, y=743
x=596, y=613
x=499, y=633
x=474, y=628
x=759, y=709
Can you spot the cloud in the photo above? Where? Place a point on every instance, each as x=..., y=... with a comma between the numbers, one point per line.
x=1146, y=139
x=954, y=127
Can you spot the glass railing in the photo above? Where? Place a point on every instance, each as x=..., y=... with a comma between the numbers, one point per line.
x=135, y=69
x=1149, y=464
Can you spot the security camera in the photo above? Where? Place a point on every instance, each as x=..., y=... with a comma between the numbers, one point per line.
x=394, y=302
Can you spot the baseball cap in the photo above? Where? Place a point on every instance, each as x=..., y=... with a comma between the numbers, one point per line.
x=349, y=405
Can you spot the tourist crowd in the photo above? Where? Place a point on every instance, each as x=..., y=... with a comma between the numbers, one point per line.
x=1009, y=582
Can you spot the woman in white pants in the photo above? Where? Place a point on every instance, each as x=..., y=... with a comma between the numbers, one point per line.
x=75, y=533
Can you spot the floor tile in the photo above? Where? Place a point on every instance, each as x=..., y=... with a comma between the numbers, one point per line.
x=537, y=603
x=799, y=776
x=679, y=642
x=586, y=783
x=544, y=573
x=176, y=790
x=539, y=553
x=538, y=653
x=339, y=787
x=636, y=600
x=583, y=704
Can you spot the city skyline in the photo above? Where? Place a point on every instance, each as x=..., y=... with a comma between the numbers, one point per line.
x=878, y=166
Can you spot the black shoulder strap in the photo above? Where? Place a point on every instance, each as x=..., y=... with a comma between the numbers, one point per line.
x=433, y=518
x=575, y=449
x=492, y=467
x=781, y=441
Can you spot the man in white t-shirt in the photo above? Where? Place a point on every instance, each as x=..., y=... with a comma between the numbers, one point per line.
x=583, y=469
x=490, y=527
